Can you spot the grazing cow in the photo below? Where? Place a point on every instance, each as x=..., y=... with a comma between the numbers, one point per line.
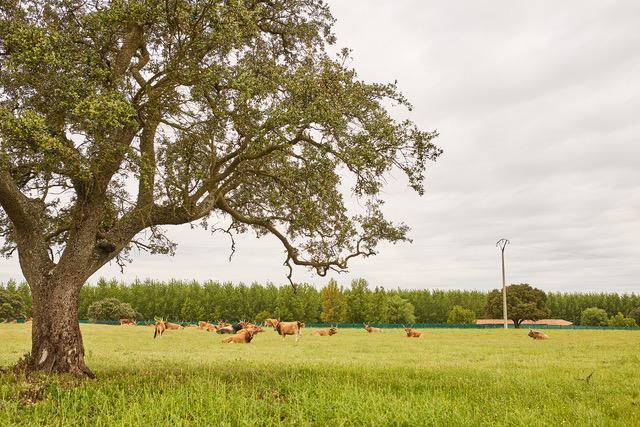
x=538, y=335
x=289, y=328
x=161, y=326
x=127, y=322
x=371, y=329
x=412, y=333
x=325, y=332
x=242, y=337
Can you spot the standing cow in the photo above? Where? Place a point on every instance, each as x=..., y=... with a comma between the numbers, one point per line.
x=288, y=328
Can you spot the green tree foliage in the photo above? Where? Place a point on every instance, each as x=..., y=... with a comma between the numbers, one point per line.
x=359, y=302
x=380, y=309
x=12, y=305
x=620, y=321
x=184, y=301
x=635, y=314
x=110, y=309
x=524, y=302
x=594, y=316
x=459, y=315
x=334, y=309
x=400, y=310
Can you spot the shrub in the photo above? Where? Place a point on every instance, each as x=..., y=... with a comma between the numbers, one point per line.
x=110, y=309
x=621, y=321
x=460, y=315
x=635, y=314
x=594, y=316
x=262, y=316
x=11, y=305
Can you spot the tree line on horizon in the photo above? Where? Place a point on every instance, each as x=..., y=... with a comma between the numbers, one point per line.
x=188, y=301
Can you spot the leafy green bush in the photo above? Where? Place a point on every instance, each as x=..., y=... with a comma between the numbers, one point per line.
x=461, y=316
x=594, y=316
x=620, y=321
x=635, y=314
x=11, y=306
x=110, y=309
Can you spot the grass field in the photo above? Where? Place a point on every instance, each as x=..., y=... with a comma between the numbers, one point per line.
x=447, y=377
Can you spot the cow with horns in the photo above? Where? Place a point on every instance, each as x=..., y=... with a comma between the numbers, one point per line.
x=538, y=335
x=412, y=333
x=371, y=329
x=326, y=332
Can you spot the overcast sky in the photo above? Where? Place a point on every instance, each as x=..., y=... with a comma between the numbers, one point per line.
x=538, y=107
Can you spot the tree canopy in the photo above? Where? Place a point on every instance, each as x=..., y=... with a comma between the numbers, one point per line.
x=594, y=316
x=524, y=302
x=231, y=112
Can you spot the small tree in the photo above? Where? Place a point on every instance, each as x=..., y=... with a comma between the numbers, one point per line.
x=334, y=309
x=11, y=305
x=635, y=314
x=594, y=316
x=110, y=309
x=620, y=321
x=461, y=316
x=400, y=310
x=524, y=302
x=262, y=316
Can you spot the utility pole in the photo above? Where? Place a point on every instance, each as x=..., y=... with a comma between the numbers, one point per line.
x=502, y=243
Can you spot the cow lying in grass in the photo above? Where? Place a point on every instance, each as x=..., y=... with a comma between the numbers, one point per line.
x=412, y=333
x=289, y=328
x=325, y=332
x=243, y=336
x=371, y=329
x=232, y=329
x=538, y=335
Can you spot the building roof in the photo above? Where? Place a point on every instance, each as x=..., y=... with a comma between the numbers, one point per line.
x=551, y=322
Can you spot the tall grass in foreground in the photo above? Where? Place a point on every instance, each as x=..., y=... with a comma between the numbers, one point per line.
x=448, y=377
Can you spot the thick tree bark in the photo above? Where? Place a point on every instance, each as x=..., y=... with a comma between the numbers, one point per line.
x=56, y=343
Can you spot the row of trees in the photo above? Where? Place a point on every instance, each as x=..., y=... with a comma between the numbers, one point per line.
x=189, y=301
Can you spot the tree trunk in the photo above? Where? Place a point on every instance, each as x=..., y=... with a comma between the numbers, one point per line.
x=56, y=343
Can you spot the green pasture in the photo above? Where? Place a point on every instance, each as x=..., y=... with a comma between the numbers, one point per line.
x=447, y=377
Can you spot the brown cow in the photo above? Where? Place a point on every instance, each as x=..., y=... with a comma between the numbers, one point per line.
x=174, y=326
x=289, y=328
x=538, y=335
x=271, y=323
x=325, y=332
x=252, y=328
x=371, y=329
x=205, y=325
x=160, y=327
x=242, y=337
x=127, y=322
x=412, y=333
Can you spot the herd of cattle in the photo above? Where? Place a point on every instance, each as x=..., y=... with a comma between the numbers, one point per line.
x=243, y=332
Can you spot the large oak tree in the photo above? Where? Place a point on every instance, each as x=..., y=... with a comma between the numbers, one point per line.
x=118, y=118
